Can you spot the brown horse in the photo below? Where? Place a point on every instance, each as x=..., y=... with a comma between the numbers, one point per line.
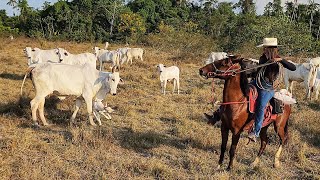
x=235, y=115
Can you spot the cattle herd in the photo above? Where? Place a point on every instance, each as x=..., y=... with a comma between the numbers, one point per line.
x=49, y=71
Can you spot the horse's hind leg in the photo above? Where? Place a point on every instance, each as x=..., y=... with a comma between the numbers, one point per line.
x=224, y=134
x=280, y=129
x=235, y=140
x=264, y=142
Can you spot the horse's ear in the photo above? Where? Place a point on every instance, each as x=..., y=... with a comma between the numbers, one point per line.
x=237, y=60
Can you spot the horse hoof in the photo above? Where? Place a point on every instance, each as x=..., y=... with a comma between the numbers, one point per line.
x=255, y=162
x=229, y=168
x=218, y=167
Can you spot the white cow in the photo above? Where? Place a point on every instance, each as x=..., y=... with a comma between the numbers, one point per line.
x=106, y=45
x=103, y=55
x=123, y=55
x=215, y=56
x=84, y=81
x=316, y=88
x=134, y=53
x=305, y=72
x=315, y=61
x=76, y=59
x=37, y=55
x=169, y=73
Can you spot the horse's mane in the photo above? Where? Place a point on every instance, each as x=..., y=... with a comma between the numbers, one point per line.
x=244, y=85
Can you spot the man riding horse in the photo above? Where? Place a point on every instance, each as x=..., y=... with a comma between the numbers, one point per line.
x=264, y=82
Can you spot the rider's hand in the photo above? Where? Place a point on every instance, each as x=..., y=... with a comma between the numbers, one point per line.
x=277, y=59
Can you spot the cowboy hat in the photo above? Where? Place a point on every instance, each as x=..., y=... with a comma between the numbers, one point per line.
x=269, y=42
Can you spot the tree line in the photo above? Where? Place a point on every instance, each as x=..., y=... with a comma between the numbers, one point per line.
x=218, y=25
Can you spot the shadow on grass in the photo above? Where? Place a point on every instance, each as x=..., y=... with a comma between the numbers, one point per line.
x=141, y=142
x=310, y=135
x=314, y=106
x=11, y=76
x=21, y=109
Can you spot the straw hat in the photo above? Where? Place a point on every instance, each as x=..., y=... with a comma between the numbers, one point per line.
x=269, y=42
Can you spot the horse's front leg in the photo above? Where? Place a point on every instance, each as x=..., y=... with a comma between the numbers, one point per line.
x=235, y=140
x=224, y=134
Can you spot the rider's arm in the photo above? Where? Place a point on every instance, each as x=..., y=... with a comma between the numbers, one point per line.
x=288, y=65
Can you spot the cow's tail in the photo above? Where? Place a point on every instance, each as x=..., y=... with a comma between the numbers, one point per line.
x=25, y=76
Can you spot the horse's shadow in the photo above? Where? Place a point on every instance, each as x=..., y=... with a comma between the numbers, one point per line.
x=11, y=76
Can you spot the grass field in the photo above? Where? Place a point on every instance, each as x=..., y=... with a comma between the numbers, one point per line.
x=150, y=136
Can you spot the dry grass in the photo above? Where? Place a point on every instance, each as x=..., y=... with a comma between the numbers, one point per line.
x=150, y=136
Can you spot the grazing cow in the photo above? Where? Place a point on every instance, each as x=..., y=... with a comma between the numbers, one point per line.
x=134, y=53
x=37, y=55
x=103, y=55
x=83, y=81
x=76, y=59
x=123, y=55
x=214, y=56
x=305, y=72
x=169, y=73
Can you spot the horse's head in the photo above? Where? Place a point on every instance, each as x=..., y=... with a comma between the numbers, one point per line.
x=222, y=68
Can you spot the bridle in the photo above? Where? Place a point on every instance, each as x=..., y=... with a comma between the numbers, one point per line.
x=223, y=73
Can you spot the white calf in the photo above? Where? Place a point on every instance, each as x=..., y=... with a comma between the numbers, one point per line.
x=103, y=55
x=37, y=55
x=169, y=73
x=134, y=53
x=215, y=56
x=82, y=81
x=305, y=72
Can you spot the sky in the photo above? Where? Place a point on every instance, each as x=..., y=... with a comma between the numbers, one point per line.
x=37, y=4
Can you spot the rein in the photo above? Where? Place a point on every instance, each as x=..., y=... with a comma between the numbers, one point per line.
x=233, y=72
x=242, y=101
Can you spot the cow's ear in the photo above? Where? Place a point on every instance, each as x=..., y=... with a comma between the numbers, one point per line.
x=121, y=81
x=66, y=54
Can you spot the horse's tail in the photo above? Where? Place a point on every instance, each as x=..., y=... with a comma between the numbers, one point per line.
x=25, y=76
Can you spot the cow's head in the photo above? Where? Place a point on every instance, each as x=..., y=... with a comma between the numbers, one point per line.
x=30, y=53
x=114, y=79
x=96, y=51
x=62, y=53
x=160, y=67
x=313, y=71
x=222, y=68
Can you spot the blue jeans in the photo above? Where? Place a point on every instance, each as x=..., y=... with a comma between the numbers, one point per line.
x=262, y=100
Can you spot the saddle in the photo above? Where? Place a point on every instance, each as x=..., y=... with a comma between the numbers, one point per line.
x=273, y=108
